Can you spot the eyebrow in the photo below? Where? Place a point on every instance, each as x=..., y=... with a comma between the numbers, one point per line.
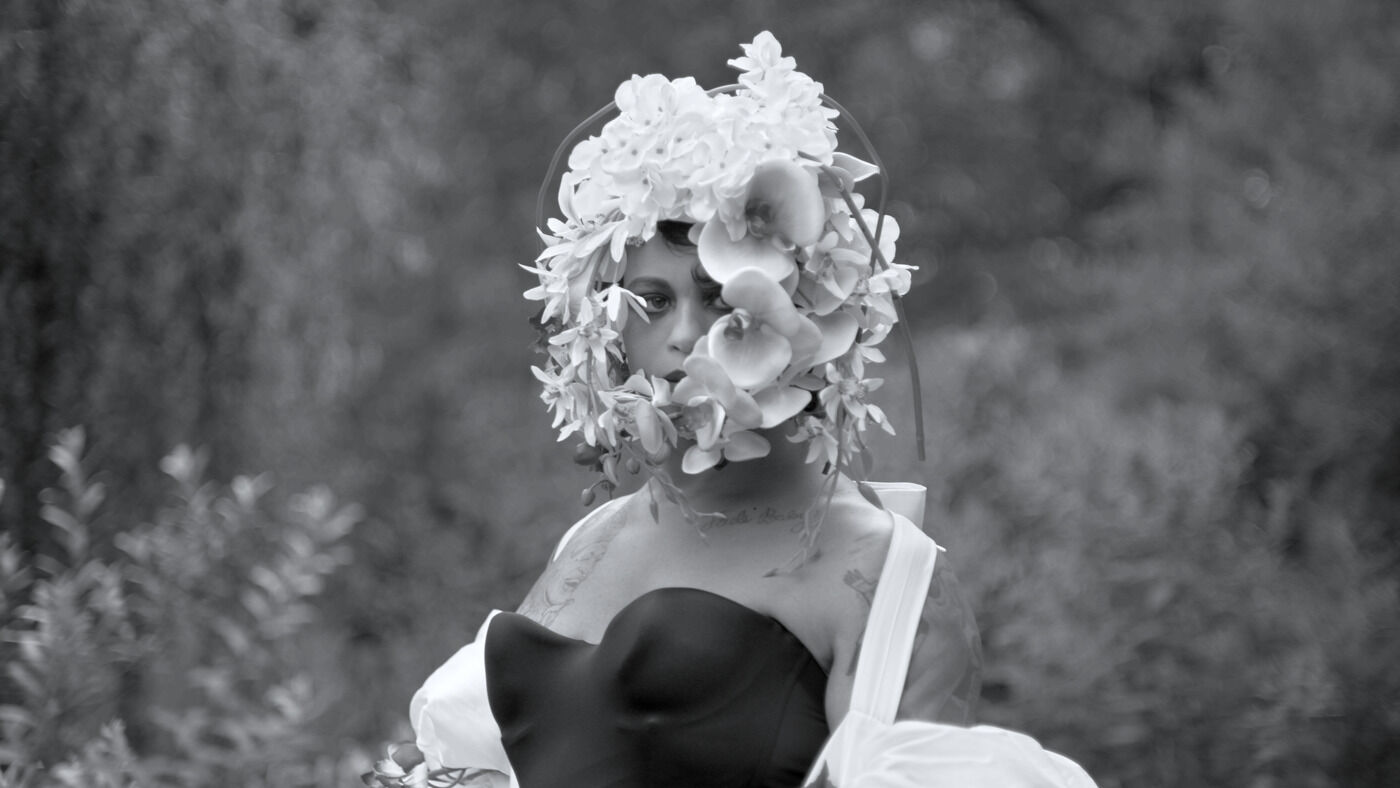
x=701, y=277
x=709, y=288
x=647, y=281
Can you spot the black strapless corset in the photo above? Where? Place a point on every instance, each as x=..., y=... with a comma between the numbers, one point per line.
x=688, y=689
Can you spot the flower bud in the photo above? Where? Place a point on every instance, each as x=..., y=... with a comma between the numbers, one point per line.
x=407, y=756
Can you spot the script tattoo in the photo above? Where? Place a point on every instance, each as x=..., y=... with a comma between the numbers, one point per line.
x=555, y=589
x=771, y=515
x=763, y=516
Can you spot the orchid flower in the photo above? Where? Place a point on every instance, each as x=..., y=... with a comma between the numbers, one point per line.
x=737, y=446
x=832, y=284
x=751, y=352
x=706, y=380
x=721, y=415
x=756, y=342
x=653, y=427
x=588, y=338
x=783, y=210
x=405, y=766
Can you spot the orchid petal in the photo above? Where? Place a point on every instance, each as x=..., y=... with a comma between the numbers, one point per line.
x=649, y=429
x=687, y=390
x=722, y=257
x=661, y=392
x=858, y=168
x=780, y=404
x=706, y=374
x=832, y=289
x=743, y=411
x=745, y=445
x=705, y=419
x=702, y=347
x=838, y=332
x=750, y=355
x=785, y=201
x=388, y=768
x=697, y=459
x=807, y=341
x=790, y=282
x=639, y=384
x=751, y=289
x=617, y=296
x=706, y=378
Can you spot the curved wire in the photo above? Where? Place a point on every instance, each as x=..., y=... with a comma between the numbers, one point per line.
x=911, y=358
x=874, y=158
x=564, y=145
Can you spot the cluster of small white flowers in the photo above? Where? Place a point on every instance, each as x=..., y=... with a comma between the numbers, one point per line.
x=676, y=152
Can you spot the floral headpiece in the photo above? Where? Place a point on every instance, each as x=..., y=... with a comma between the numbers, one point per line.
x=806, y=268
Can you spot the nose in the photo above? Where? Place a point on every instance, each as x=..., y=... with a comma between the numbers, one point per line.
x=692, y=320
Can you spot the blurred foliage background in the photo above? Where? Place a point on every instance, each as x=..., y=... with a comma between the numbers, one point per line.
x=1156, y=315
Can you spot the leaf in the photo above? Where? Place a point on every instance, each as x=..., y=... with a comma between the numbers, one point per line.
x=16, y=715
x=61, y=519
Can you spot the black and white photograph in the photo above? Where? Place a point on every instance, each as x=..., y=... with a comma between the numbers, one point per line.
x=768, y=394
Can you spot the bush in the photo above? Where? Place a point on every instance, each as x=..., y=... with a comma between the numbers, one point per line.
x=173, y=656
x=1159, y=598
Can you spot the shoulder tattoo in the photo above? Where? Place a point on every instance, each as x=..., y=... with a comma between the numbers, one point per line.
x=865, y=586
x=555, y=589
x=945, y=678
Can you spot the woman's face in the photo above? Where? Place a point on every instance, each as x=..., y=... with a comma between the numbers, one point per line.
x=681, y=302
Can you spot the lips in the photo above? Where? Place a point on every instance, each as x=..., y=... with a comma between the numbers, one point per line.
x=675, y=376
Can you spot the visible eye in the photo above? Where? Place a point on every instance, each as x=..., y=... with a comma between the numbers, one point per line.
x=655, y=303
x=716, y=303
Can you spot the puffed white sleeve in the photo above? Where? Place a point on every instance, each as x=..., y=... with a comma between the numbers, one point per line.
x=451, y=714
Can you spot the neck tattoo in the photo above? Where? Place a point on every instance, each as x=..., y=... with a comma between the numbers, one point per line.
x=753, y=515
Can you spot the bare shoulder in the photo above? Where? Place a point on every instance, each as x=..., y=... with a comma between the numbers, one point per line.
x=573, y=561
x=854, y=541
x=945, y=667
x=860, y=531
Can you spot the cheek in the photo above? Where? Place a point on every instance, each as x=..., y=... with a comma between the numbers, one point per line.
x=635, y=346
x=628, y=334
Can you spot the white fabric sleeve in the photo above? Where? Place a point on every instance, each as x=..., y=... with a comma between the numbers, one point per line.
x=868, y=749
x=904, y=498
x=452, y=717
x=451, y=714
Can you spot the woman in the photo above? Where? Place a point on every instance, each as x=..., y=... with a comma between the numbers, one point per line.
x=712, y=296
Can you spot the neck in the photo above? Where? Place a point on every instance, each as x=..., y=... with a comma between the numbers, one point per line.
x=780, y=479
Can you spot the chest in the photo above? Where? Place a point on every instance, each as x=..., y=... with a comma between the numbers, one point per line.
x=747, y=563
